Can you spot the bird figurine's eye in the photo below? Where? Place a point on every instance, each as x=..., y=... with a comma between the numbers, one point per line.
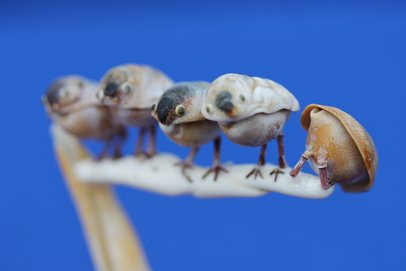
x=126, y=87
x=241, y=98
x=63, y=93
x=80, y=84
x=153, y=107
x=209, y=109
x=100, y=94
x=180, y=110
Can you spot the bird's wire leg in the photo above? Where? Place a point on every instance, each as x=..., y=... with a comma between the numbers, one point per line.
x=322, y=165
x=281, y=150
x=138, y=147
x=282, y=162
x=323, y=178
x=104, y=153
x=152, y=141
x=216, y=168
x=188, y=162
x=261, y=162
x=302, y=161
x=120, y=139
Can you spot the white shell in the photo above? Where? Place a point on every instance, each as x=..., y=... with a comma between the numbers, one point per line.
x=84, y=97
x=256, y=130
x=147, y=82
x=261, y=96
x=192, y=134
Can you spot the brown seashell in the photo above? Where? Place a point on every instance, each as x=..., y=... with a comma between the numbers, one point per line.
x=362, y=140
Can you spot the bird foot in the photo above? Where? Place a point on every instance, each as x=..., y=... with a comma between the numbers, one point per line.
x=184, y=166
x=216, y=169
x=255, y=172
x=276, y=171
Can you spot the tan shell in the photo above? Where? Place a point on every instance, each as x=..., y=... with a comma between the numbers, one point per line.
x=361, y=138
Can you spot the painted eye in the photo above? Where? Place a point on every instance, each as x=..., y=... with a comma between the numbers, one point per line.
x=153, y=107
x=126, y=87
x=180, y=110
x=80, y=84
x=63, y=93
x=209, y=109
x=100, y=94
x=241, y=98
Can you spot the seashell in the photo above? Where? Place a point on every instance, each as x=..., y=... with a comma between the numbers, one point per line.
x=130, y=90
x=71, y=102
x=339, y=149
x=133, y=86
x=251, y=111
x=179, y=113
x=247, y=95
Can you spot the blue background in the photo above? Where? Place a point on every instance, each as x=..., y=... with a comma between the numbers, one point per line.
x=343, y=54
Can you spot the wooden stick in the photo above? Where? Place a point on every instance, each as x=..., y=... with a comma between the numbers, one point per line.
x=112, y=241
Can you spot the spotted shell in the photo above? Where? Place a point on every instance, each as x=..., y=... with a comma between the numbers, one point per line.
x=361, y=138
x=261, y=96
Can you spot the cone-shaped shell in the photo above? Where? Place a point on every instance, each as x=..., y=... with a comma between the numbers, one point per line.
x=361, y=138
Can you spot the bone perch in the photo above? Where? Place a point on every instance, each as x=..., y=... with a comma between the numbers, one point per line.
x=112, y=241
x=159, y=175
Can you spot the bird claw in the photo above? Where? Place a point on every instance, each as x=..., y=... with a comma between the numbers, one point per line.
x=276, y=171
x=216, y=169
x=256, y=172
x=184, y=166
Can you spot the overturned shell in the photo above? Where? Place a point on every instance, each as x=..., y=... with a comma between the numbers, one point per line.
x=361, y=138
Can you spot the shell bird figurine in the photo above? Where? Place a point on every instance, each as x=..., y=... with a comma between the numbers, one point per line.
x=251, y=111
x=71, y=102
x=338, y=148
x=180, y=118
x=130, y=91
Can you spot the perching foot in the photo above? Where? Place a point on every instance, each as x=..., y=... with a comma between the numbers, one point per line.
x=276, y=171
x=216, y=169
x=184, y=165
x=256, y=172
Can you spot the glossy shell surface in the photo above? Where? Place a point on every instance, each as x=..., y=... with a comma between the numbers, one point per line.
x=360, y=137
